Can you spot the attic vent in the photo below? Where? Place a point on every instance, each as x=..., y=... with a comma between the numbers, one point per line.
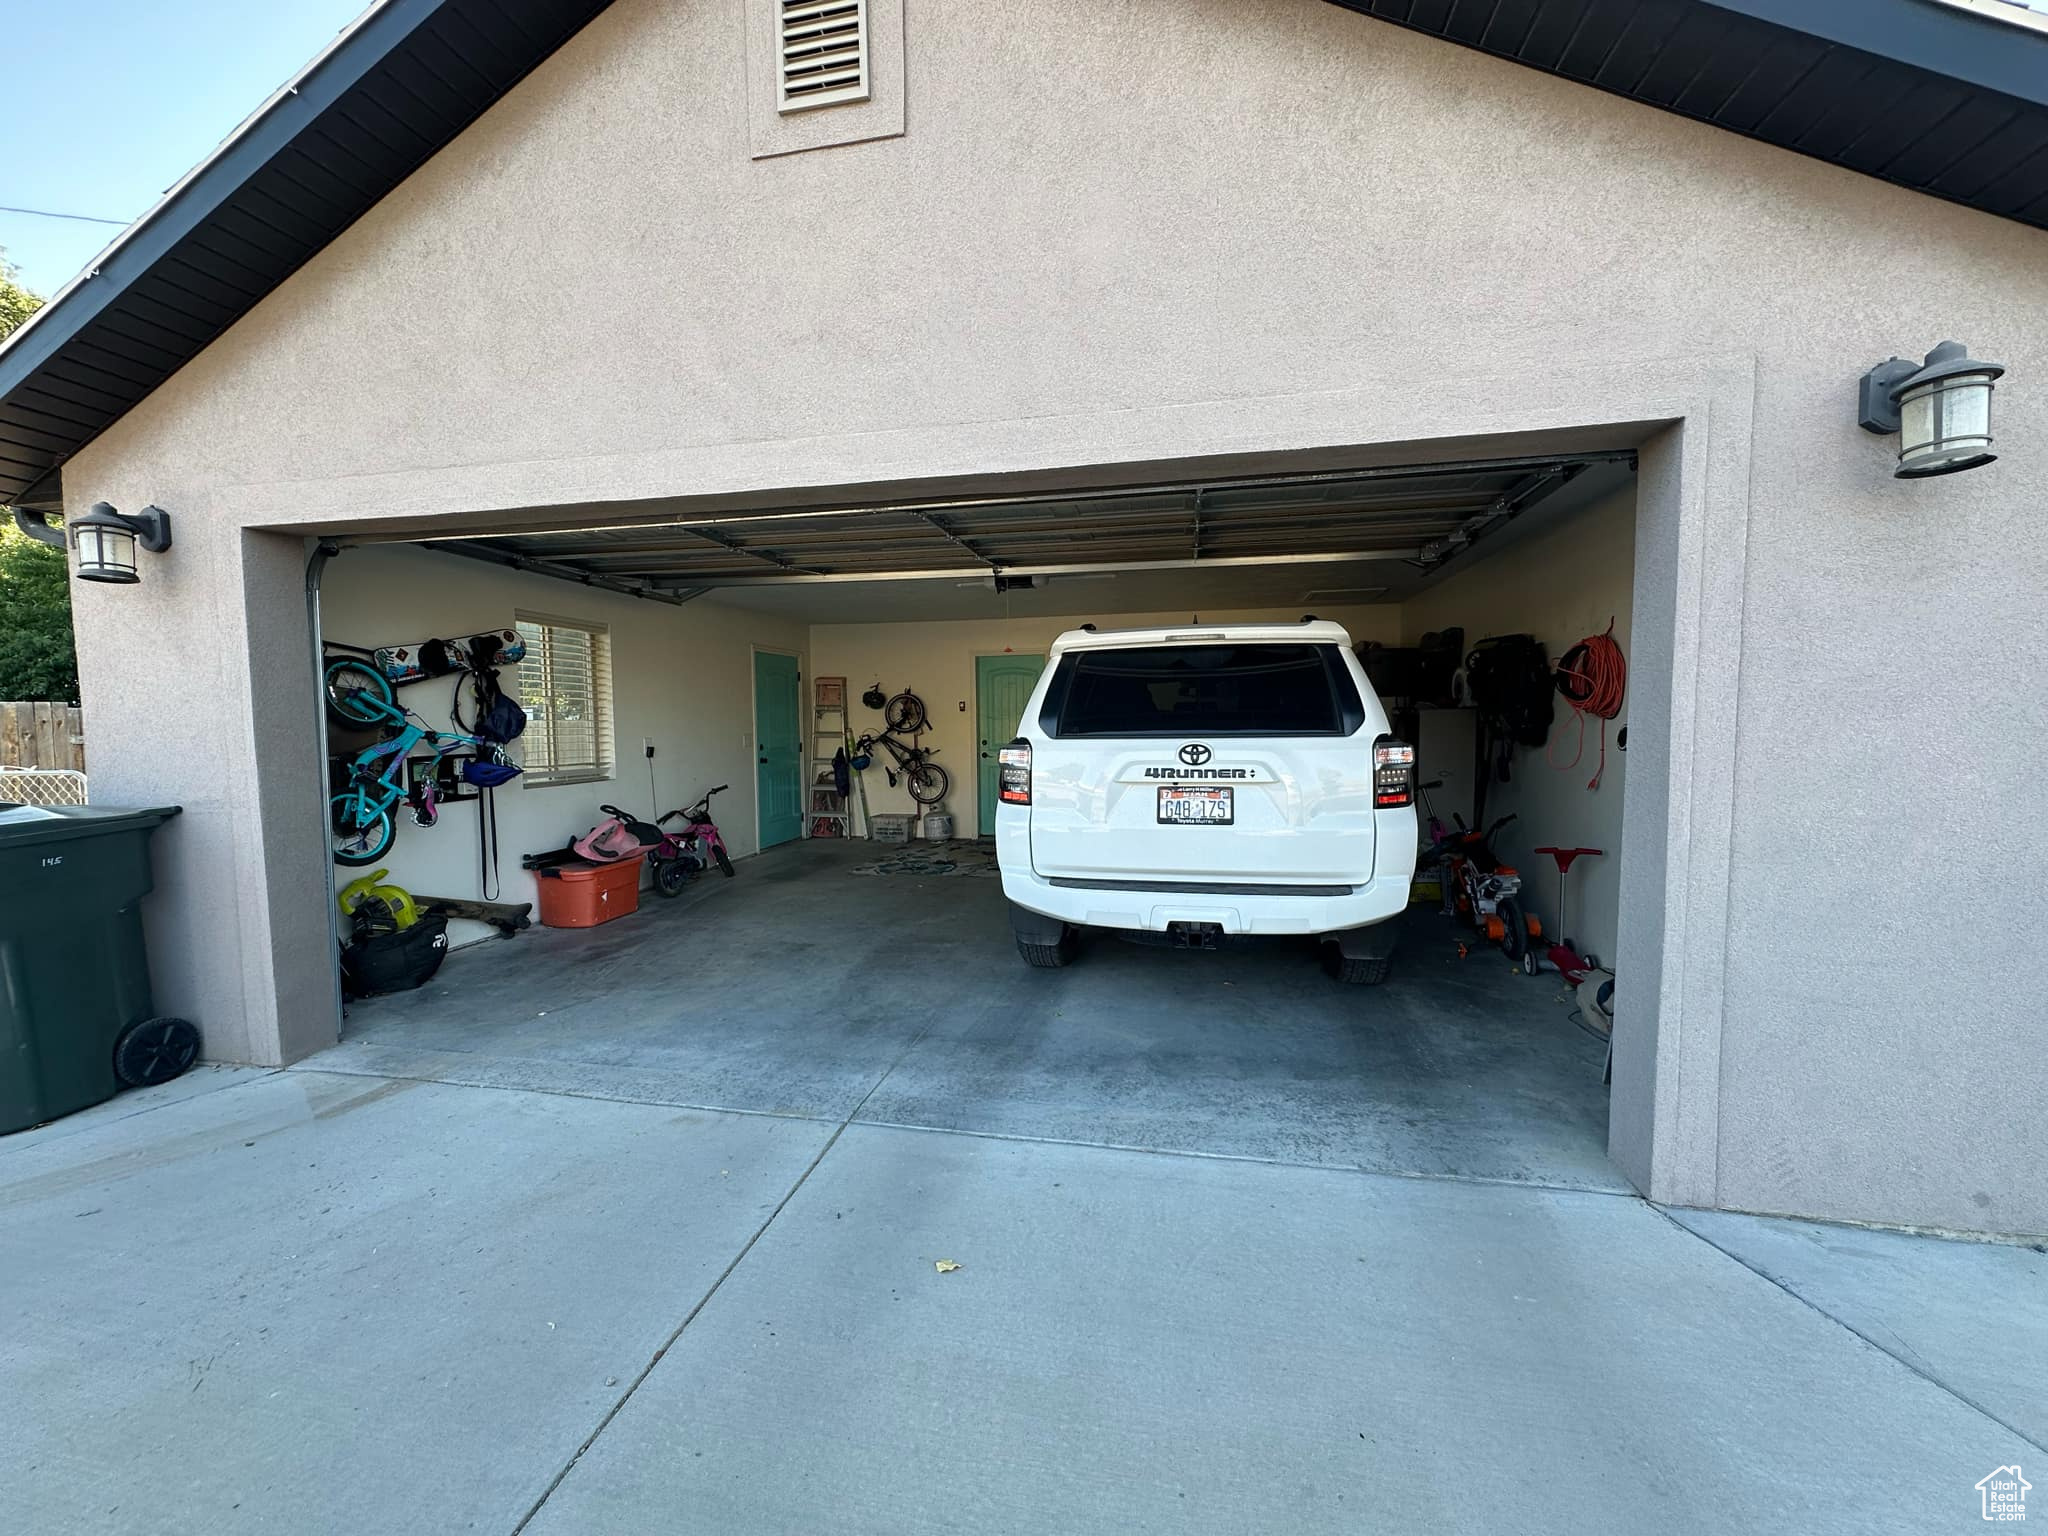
x=823, y=52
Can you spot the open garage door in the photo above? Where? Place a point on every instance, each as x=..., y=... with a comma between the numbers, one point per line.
x=1395, y=525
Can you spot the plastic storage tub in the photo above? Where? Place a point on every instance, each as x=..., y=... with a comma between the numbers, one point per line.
x=584, y=895
x=74, y=976
x=885, y=828
x=938, y=827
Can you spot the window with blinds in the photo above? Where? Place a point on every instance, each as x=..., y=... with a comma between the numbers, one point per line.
x=565, y=683
x=822, y=52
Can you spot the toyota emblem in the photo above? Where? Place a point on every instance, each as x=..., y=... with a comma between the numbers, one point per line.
x=1194, y=754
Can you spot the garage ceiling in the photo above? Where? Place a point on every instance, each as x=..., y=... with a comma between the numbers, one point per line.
x=1388, y=528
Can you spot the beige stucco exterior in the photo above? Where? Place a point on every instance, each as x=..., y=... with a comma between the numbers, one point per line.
x=1115, y=235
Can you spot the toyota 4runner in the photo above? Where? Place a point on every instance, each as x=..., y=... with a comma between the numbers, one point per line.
x=1211, y=780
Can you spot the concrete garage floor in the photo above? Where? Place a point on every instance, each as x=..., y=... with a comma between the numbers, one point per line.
x=799, y=988
x=480, y=1269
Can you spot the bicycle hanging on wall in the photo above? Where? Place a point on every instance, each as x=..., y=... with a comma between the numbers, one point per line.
x=421, y=661
x=905, y=712
x=361, y=820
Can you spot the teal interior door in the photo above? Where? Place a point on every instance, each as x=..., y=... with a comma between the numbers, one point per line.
x=1002, y=686
x=779, y=747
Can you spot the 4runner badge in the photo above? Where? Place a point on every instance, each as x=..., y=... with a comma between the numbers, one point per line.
x=1196, y=756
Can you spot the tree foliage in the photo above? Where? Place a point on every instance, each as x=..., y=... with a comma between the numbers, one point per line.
x=37, y=658
x=16, y=302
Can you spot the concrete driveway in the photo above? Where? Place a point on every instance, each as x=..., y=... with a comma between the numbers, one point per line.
x=615, y=1279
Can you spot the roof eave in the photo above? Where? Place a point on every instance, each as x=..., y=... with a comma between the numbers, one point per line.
x=203, y=190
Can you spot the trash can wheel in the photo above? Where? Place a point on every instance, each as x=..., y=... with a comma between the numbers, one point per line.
x=155, y=1051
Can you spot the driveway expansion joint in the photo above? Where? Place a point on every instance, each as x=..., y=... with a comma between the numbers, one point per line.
x=705, y=1300
x=1900, y=1355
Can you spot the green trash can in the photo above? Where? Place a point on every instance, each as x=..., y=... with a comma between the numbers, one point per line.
x=76, y=1022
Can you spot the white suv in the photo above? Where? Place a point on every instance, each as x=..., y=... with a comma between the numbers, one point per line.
x=1212, y=780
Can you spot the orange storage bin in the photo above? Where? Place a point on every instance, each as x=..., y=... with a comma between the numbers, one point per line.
x=584, y=895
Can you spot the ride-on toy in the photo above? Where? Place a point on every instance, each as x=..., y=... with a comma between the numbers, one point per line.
x=1564, y=954
x=699, y=834
x=674, y=854
x=1484, y=891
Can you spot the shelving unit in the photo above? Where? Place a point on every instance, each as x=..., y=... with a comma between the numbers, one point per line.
x=829, y=815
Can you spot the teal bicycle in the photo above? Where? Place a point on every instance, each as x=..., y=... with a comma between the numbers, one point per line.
x=361, y=818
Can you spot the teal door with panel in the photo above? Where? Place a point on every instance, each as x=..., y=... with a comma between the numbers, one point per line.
x=1002, y=687
x=779, y=747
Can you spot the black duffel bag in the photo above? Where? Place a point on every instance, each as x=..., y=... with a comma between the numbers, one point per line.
x=395, y=962
x=1510, y=681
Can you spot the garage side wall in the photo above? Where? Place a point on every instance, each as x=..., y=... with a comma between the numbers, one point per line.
x=680, y=676
x=1562, y=583
x=1236, y=227
x=198, y=692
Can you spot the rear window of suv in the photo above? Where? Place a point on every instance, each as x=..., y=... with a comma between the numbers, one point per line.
x=1203, y=690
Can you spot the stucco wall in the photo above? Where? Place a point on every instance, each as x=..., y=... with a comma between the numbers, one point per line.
x=1559, y=585
x=936, y=662
x=681, y=676
x=1222, y=227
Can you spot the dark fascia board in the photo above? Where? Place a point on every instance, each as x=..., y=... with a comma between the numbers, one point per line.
x=1965, y=45
x=1998, y=69
x=203, y=205
x=207, y=190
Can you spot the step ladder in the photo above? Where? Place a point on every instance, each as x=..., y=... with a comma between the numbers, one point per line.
x=829, y=814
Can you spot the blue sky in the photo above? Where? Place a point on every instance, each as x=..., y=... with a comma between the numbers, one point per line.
x=107, y=104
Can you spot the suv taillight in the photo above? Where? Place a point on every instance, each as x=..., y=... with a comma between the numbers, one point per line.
x=1013, y=776
x=1393, y=774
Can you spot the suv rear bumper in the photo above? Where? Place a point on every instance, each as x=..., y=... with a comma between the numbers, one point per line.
x=1234, y=909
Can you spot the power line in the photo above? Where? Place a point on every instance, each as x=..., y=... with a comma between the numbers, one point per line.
x=79, y=218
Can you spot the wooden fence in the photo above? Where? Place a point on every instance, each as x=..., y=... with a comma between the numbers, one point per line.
x=42, y=736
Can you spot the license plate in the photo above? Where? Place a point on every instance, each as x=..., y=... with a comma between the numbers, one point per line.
x=1197, y=807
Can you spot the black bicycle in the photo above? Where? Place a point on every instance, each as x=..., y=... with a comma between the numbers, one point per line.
x=903, y=712
x=928, y=782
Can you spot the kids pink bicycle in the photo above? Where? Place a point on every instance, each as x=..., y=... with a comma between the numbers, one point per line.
x=696, y=840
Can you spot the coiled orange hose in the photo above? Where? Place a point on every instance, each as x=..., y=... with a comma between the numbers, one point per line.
x=1593, y=677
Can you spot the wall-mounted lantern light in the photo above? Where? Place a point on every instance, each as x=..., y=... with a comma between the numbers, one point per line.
x=103, y=541
x=1941, y=410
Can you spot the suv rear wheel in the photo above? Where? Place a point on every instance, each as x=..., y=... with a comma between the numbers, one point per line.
x=1356, y=970
x=1049, y=957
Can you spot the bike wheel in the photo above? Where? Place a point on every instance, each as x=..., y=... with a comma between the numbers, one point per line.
x=1514, y=941
x=356, y=841
x=905, y=713
x=670, y=876
x=357, y=692
x=724, y=863
x=928, y=783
